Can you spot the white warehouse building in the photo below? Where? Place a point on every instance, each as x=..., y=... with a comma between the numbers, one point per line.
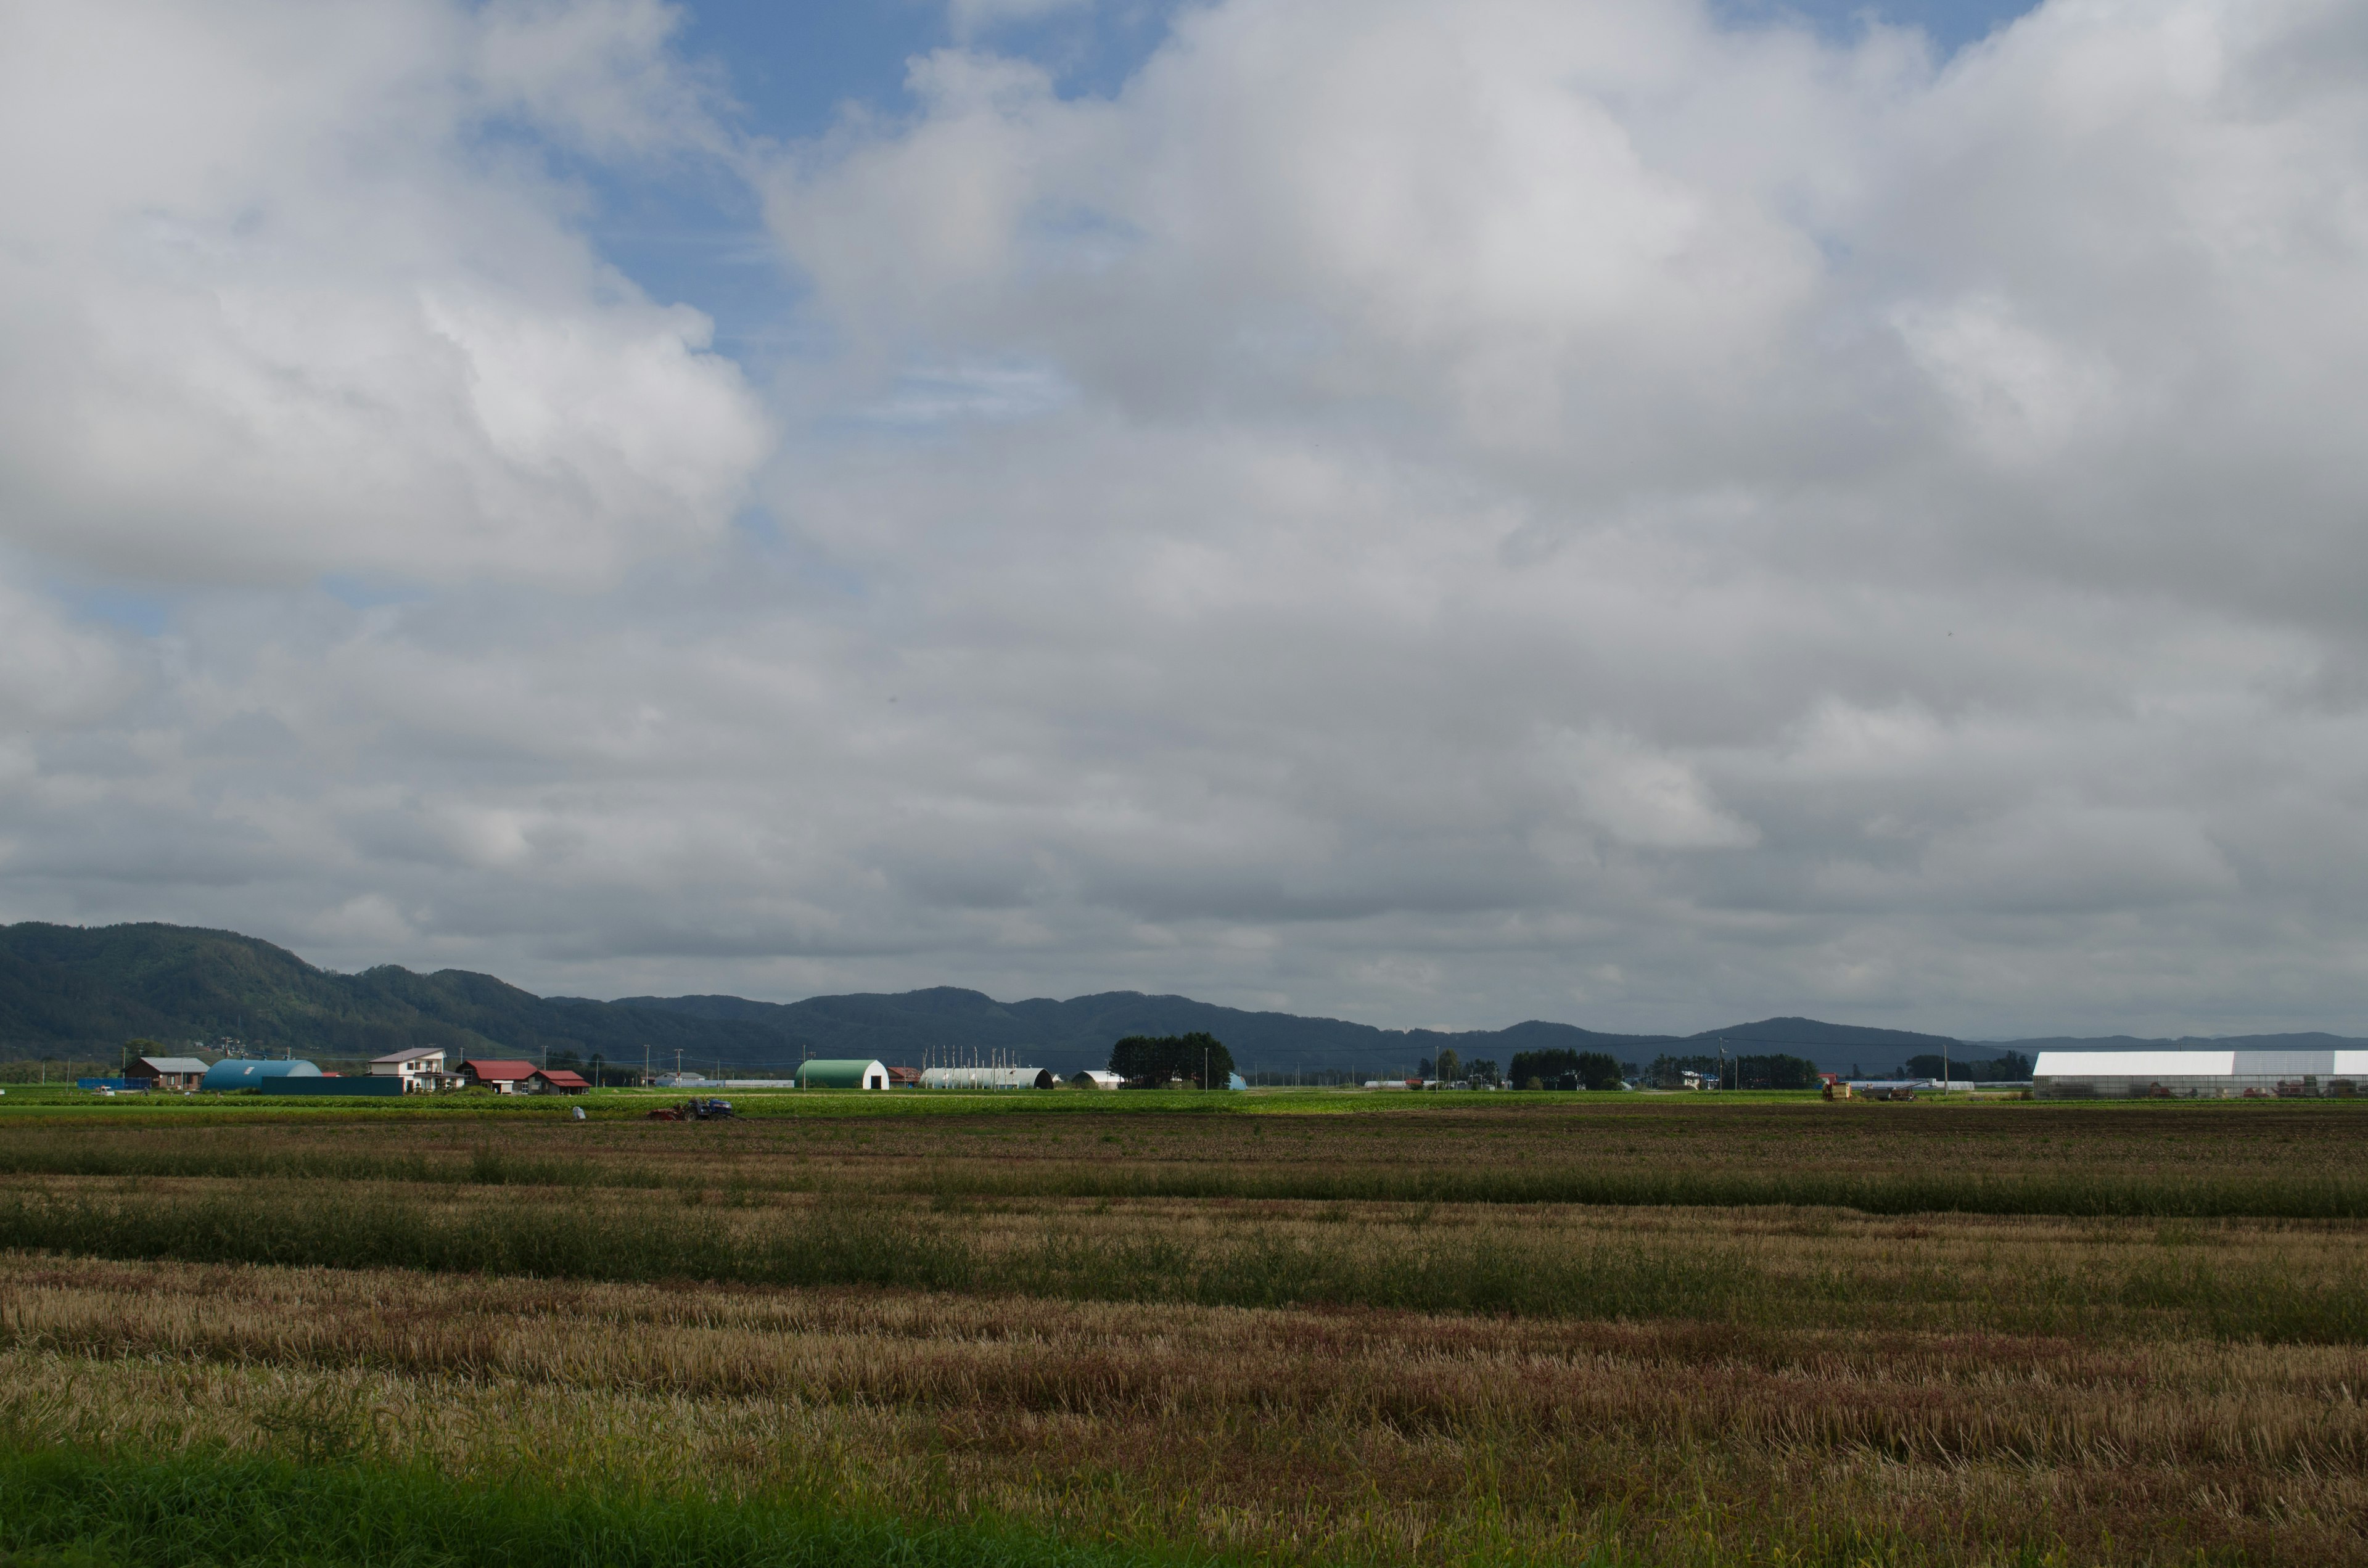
x=2197, y=1074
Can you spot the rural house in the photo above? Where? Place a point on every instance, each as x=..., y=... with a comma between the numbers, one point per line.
x=555, y=1081
x=420, y=1068
x=167, y=1071
x=502, y=1077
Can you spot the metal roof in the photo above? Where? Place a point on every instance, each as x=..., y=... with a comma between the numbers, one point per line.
x=987, y=1078
x=414, y=1054
x=498, y=1072
x=239, y=1073
x=850, y=1072
x=2199, y=1063
x=172, y=1064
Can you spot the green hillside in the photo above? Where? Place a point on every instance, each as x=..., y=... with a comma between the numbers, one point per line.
x=71, y=989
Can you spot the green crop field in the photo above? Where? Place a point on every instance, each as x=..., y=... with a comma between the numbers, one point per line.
x=1287, y=1326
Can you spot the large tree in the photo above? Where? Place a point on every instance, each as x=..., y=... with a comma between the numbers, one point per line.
x=1150, y=1061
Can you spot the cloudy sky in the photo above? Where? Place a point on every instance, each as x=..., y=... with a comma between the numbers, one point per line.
x=1636, y=512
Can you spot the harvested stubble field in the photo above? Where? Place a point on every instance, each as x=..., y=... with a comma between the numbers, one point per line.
x=1286, y=1332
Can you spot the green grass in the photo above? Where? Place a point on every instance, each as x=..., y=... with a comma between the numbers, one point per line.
x=64, y=1507
x=76, y=1508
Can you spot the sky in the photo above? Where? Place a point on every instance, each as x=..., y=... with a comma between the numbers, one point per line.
x=1642, y=513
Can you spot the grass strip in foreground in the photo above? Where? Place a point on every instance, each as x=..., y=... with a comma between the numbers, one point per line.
x=61, y=1508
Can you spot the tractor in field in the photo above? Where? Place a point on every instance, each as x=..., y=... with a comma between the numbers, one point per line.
x=695, y=1110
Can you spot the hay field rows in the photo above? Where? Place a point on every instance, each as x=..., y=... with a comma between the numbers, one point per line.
x=1007, y=1319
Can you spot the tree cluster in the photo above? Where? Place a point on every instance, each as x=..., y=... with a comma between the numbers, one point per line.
x=2011, y=1067
x=1151, y=1061
x=1563, y=1070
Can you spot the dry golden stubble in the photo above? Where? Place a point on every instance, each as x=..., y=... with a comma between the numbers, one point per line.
x=1282, y=1431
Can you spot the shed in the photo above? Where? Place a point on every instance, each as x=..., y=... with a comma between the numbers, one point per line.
x=851, y=1073
x=168, y=1071
x=240, y=1074
x=556, y=1081
x=1095, y=1078
x=502, y=1077
x=988, y=1078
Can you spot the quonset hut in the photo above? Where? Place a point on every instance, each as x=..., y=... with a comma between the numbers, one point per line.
x=988, y=1078
x=239, y=1073
x=2196, y=1074
x=848, y=1075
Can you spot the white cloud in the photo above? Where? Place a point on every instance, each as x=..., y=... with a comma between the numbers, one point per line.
x=1641, y=797
x=273, y=307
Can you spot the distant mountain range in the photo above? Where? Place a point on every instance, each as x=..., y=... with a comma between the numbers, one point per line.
x=70, y=989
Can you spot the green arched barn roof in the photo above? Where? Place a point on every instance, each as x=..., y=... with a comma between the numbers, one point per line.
x=848, y=1075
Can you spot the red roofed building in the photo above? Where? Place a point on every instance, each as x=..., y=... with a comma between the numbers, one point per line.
x=556, y=1081
x=502, y=1077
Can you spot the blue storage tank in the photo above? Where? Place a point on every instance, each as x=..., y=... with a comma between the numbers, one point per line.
x=238, y=1074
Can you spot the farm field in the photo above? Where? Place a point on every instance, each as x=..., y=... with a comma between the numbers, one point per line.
x=1271, y=1328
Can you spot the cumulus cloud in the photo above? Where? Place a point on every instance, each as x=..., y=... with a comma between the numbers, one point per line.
x=1427, y=513
x=278, y=301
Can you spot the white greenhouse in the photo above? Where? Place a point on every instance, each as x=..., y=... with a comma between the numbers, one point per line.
x=987, y=1078
x=2197, y=1074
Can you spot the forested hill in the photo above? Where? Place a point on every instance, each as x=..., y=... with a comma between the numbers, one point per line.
x=69, y=988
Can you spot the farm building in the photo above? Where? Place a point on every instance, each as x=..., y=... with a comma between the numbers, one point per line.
x=167, y=1071
x=1095, y=1078
x=2197, y=1074
x=555, y=1081
x=239, y=1073
x=420, y=1069
x=502, y=1077
x=903, y=1077
x=988, y=1078
x=848, y=1075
